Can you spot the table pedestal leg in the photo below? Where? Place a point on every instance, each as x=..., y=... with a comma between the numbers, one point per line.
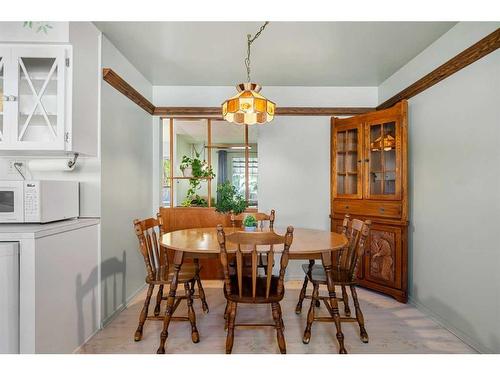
x=327, y=263
x=178, y=258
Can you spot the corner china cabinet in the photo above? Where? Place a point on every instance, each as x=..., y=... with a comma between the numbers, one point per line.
x=369, y=157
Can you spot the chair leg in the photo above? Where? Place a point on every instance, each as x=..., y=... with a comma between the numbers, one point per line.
x=310, y=314
x=144, y=313
x=193, y=283
x=201, y=291
x=359, y=316
x=159, y=297
x=302, y=295
x=226, y=314
x=279, y=326
x=281, y=317
x=195, y=336
x=345, y=298
x=230, y=328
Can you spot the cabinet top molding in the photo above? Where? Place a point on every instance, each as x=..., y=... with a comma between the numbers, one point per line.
x=475, y=52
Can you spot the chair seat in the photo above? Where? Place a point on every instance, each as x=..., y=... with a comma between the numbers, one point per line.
x=317, y=275
x=260, y=293
x=186, y=273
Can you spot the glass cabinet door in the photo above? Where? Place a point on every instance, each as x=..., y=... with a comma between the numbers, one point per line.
x=346, y=154
x=383, y=159
x=40, y=100
x=2, y=97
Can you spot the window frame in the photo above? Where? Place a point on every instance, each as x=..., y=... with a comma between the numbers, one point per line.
x=209, y=146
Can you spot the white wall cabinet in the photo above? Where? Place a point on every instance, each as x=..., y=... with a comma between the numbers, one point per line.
x=35, y=102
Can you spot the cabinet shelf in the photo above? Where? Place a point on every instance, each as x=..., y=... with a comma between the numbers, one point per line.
x=188, y=178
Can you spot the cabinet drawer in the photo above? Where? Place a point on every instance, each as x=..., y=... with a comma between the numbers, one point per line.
x=368, y=208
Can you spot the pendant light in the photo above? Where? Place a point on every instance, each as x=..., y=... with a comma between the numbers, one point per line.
x=248, y=106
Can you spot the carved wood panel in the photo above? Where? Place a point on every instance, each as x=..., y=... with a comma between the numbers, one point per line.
x=383, y=255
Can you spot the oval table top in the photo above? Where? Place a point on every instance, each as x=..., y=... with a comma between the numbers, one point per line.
x=204, y=240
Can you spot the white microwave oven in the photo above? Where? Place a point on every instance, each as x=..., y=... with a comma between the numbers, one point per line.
x=38, y=201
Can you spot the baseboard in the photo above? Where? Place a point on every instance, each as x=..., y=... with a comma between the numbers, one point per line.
x=455, y=331
x=122, y=307
x=108, y=320
x=77, y=350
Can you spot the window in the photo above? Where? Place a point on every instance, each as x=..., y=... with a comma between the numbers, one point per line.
x=238, y=177
x=221, y=146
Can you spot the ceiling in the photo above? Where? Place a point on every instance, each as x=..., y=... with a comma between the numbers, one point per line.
x=286, y=54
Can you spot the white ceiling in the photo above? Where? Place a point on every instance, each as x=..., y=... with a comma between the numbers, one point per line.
x=286, y=54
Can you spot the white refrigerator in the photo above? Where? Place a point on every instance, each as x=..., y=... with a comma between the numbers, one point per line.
x=9, y=297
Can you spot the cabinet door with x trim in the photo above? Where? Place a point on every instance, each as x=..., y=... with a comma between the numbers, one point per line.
x=39, y=108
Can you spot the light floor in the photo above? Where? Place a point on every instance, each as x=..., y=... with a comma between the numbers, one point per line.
x=393, y=328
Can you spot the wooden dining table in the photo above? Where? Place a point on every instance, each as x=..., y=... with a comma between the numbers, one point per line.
x=199, y=243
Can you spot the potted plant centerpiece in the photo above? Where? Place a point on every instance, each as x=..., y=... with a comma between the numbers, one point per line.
x=196, y=169
x=250, y=223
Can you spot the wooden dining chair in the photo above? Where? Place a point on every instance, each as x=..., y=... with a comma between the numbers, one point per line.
x=343, y=274
x=160, y=273
x=197, y=280
x=261, y=218
x=254, y=289
x=307, y=268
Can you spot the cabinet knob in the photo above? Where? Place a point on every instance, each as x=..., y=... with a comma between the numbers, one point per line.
x=12, y=98
x=6, y=98
x=346, y=207
x=381, y=209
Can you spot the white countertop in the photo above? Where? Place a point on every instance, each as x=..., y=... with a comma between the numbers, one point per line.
x=11, y=232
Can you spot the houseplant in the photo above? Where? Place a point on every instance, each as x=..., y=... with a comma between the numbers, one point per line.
x=229, y=200
x=196, y=169
x=250, y=223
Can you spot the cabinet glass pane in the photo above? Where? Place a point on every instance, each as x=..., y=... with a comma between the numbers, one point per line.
x=1, y=98
x=347, y=162
x=340, y=184
x=382, y=176
x=38, y=99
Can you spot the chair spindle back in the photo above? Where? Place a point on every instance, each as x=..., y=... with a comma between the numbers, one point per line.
x=357, y=232
x=253, y=243
x=148, y=234
x=259, y=216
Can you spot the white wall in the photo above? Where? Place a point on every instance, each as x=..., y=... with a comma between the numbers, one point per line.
x=17, y=32
x=458, y=38
x=294, y=152
x=454, y=134
x=126, y=192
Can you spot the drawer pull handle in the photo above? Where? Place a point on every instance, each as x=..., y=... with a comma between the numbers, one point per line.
x=382, y=209
x=346, y=207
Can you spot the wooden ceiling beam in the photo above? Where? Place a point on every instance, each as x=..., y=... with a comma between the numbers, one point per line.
x=117, y=82
x=478, y=50
x=280, y=111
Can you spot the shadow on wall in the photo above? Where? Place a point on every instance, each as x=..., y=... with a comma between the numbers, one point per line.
x=452, y=320
x=111, y=270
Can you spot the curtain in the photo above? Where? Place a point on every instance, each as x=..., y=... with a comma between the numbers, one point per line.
x=222, y=168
